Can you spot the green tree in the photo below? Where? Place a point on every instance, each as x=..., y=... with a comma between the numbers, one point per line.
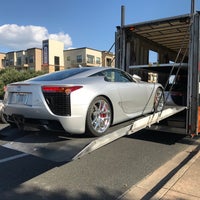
x=8, y=76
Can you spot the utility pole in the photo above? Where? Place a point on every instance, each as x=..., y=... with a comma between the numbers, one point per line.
x=192, y=7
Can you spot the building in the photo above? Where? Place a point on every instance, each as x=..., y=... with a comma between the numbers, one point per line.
x=34, y=59
x=53, y=59
x=87, y=57
x=82, y=56
x=25, y=59
x=108, y=59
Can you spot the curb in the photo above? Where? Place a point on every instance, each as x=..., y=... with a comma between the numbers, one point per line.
x=159, y=182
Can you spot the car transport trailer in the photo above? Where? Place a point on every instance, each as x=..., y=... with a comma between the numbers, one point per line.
x=175, y=42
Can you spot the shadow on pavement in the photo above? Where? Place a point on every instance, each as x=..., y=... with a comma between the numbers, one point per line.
x=162, y=137
x=38, y=193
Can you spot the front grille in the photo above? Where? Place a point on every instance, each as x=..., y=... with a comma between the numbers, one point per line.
x=59, y=103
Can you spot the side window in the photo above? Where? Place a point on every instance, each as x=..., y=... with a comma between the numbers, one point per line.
x=109, y=75
x=122, y=77
x=98, y=74
x=113, y=75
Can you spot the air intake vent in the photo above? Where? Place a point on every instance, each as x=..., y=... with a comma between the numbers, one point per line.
x=59, y=103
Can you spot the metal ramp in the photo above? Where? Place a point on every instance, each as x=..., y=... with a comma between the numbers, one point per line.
x=137, y=125
x=62, y=149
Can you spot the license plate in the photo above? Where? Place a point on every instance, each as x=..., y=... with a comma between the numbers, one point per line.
x=20, y=98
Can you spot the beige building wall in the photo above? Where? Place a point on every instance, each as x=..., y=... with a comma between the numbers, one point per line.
x=53, y=57
x=70, y=58
x=56, y=48
x=82, y=56
x=11, y=59
x=108, y=59
x=22, y=60
x=38, y=61
x=2, y=60
x=33, y=59
x=93, y=57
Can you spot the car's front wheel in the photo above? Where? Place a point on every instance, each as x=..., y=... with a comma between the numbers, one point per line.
x=99, y=117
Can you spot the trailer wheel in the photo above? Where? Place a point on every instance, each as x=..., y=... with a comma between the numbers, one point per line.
x=99, y=117
x=159, y=100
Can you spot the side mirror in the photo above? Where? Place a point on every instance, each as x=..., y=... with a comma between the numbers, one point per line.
x=136, y=77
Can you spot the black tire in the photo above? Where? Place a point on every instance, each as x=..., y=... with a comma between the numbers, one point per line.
x=159, y=100
x=99, y=117
x=3, y=120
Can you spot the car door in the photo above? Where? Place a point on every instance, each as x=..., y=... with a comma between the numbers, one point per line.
x=133, y=93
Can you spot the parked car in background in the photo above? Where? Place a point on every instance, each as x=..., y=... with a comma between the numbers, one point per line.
x=81, y=100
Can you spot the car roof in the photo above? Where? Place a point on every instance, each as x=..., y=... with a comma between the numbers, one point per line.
x=70, y=73
x=91, y=70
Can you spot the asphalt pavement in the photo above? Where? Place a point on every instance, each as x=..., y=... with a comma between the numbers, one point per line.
x=178, y=179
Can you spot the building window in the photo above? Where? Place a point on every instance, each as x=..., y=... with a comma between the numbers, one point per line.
x=7, y=62
x=11, y=62
x=26, y=60
x=90, y=59
x=56, y=60
x=79, y=58
x=31, y=59
x=108, y=62
x=98, y=61
x=19, y=61
x=57, y=68
x=68, y=58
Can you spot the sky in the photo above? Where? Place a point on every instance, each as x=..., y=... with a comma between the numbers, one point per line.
x=77, y=23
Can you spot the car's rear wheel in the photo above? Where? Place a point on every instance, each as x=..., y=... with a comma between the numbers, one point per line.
x=159, y=100
x=99, y=117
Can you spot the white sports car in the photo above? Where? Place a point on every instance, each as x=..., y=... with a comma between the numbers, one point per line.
x=81, y=100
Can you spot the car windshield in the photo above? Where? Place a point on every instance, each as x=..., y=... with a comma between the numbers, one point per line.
x=60, y=75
